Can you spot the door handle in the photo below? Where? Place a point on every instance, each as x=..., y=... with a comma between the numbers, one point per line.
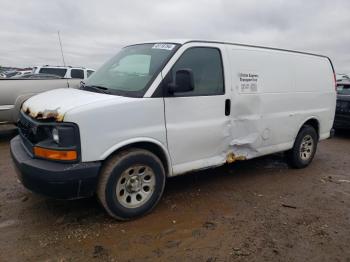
x=227, y=107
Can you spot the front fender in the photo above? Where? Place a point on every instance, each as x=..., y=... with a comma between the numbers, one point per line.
x=132, y=141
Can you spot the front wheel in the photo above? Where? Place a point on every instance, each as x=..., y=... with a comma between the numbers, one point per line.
x=304, y=148
x=131, y=183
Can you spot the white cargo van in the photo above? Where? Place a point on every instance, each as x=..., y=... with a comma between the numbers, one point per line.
x=162, y=109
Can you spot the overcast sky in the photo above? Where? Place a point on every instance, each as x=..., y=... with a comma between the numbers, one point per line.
x=92, y=31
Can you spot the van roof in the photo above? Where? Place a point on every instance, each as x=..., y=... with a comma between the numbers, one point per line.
x=185, y=41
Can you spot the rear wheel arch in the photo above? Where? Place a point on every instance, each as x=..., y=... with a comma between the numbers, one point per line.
x=313, y=122
x=305, y=145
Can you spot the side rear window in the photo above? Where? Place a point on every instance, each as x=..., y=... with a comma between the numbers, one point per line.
x=206, y=65
x=77, y=73
x=53, y=71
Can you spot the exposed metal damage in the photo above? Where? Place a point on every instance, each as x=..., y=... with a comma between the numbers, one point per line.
x=47, y=114
x=53, y=105
x=231, y=157
x=246, y=146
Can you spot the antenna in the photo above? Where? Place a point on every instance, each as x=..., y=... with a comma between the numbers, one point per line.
x=64, y=62
x=59, y=39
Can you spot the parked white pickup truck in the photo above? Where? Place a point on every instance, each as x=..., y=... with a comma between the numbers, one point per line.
x=162, y=109
x=64, y=71
x=13, y=92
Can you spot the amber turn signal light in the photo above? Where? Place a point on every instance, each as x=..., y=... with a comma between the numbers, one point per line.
x=67, y=155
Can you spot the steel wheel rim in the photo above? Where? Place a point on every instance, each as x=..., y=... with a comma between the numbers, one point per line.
x=135, y=186
x=306, y=148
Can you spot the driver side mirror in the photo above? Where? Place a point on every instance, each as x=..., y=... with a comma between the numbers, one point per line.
x=184, y=81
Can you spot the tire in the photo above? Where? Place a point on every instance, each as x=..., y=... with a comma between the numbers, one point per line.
x=304, y=148
x=131, y=183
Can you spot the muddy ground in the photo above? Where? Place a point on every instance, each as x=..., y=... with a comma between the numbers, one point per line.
x=257, y=210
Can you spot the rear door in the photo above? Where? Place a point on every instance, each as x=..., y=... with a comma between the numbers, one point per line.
x=197, y=122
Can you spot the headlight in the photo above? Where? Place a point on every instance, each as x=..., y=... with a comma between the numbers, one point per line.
x=55, y=135
x=61, y=143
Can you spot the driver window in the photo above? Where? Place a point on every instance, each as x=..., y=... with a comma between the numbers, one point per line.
x=206, y=65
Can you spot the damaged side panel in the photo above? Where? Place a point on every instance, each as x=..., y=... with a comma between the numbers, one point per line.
x=272, y=97
x=246, y=126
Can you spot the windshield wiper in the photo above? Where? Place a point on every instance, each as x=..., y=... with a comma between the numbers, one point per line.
x=100, y=89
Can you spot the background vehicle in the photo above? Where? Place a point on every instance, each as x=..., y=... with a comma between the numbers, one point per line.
x=342, y=114
x=22, y=73
x=38, y=76
x=14, y=91
x=162, y=109
x=9, y=74
x=64, y=71
x=342, y=77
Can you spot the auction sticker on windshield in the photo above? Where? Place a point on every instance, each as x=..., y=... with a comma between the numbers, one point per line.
x=163, y=46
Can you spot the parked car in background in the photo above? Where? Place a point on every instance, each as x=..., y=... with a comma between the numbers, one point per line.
x=342, y=77
x=64, y=71
x=157, y=110
x=22, y=73
x=342, y=113
x=9, y=74
x=14, y=91
x=38, y=76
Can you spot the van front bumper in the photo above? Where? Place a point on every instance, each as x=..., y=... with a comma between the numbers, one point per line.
x=53, y=179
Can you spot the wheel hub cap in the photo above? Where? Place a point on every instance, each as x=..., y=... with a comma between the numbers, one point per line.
x=135, y=186
x=306, y=148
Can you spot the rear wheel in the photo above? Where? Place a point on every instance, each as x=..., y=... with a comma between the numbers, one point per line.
x=304, y=148
x=131, y=183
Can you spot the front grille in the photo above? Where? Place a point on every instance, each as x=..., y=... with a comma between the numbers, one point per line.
x=27, y=128
x=33, y=131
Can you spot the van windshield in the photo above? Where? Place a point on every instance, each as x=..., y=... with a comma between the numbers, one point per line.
x=132, y=70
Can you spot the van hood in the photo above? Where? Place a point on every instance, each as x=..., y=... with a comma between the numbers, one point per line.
x=55, y=103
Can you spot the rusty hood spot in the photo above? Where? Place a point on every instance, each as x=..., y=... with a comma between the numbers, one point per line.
x=47, y=114
x=54, y=105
